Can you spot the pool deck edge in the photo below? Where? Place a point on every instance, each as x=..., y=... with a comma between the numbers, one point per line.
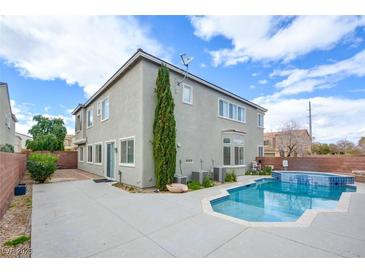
x=304, y=220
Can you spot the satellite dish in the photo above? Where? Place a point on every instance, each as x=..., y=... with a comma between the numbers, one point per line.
x=186, y=60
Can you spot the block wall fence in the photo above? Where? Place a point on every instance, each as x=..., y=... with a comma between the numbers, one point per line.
x=342, y=164
x=12, y=168
x=66, y=159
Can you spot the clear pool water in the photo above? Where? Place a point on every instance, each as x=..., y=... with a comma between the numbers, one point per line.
x=270, y=200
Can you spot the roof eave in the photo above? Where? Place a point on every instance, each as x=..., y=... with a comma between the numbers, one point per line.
x=79, y=106
x=139, y=54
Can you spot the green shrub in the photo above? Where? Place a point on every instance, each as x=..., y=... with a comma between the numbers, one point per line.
x=41, y=166
x=265, y=171
x=207, y=182
x=230, y=176
x=19, y=240
x=7, y=148
x=194, y=185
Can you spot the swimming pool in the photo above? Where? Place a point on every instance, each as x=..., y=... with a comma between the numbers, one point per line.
x=270, y=200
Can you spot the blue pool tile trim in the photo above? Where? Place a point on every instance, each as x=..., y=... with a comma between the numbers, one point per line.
x=313, y=178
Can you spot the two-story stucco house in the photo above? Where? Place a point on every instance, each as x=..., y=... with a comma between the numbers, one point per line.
x=7, y=118
x=214, y=126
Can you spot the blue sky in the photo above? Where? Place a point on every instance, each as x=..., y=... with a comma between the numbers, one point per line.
x=52, y=64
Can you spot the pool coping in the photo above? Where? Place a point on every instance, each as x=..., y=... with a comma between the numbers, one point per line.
x=304, y=220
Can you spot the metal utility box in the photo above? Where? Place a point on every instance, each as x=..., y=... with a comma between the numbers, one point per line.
x=180, y=179
x=199, y=175
x=219, y=173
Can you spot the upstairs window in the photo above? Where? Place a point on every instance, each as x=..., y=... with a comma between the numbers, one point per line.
x=105, y=109
x=78, y=124
x=90, y=117
x=187, y=94
x=231, y=111
x=98, y=109
x=260, y=120
x=241, y=114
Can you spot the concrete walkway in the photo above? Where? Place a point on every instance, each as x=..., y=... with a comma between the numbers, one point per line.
x=65, y=175
x=86, y=219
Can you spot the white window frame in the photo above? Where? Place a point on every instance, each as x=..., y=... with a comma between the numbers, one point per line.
x=98, y=109
x=258, y=151
x=258, y=120
x=92, y=152
x=83, y=153
x=192, y=94
x=233, y=104
x=134, y=151
x=92, y=117
x=101, y=154
x=79, y=128
x=232, y=145
x=101, y=106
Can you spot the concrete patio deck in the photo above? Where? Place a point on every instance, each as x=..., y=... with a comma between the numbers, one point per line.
x=87, y=219
x=65, y=175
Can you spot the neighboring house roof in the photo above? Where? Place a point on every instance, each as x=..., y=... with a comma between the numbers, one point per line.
x=7, y=91
x=23, y=135
x=295, y=131
x=142, y=54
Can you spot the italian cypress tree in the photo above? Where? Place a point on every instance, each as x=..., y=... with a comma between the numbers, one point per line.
x=164, y=131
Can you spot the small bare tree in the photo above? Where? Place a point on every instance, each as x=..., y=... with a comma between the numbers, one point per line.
x=288, y=140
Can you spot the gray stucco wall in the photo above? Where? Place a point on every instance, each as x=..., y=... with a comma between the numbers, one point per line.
x=7, y=136
x=199, y=128
x=125, y=104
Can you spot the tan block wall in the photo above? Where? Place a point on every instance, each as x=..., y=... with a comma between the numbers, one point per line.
x=66, y=159
x=343, y=164
x=12, y=168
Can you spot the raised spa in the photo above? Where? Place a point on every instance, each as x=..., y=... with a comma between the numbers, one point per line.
x=317, y=178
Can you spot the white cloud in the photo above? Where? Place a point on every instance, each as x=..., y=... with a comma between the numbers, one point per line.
x=319, y=77
x=252, y=87
x=24, y=114
x=333, y=118
x=84, y=50
x=263, y=82
x=273, y=38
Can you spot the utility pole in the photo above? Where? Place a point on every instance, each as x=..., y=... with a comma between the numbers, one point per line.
x=310, y=120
